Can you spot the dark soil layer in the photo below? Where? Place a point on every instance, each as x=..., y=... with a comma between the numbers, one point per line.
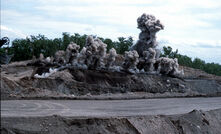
x=195, y=122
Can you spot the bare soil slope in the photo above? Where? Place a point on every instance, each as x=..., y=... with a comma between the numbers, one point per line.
x=17, y=82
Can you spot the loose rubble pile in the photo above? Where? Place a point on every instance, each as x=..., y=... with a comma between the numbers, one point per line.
x=143, y=57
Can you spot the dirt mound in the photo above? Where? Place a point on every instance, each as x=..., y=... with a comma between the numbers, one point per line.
x=195, y=122
x=198, y=122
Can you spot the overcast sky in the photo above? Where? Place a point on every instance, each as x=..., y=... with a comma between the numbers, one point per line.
x=191, y=26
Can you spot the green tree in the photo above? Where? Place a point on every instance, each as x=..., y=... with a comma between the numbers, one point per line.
x=21, y=50
x=65, y=40
x=123, y=44
x=168, y=52
x=198, y=63
x=110, y=44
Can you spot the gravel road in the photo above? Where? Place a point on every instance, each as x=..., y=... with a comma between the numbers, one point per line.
x=106, y=108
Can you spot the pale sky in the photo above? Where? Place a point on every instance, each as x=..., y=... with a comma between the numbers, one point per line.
x=191, y=26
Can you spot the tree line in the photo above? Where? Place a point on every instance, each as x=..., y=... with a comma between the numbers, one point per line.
x=212, y=68
x=25, y=49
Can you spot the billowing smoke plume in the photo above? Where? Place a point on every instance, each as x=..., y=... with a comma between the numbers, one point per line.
x=149, y=26
x=144, y=57
x=131, y=61
x=95, y=53
x=72, y=52
x=146, y=47
x=168, y=66
x=60, y=57
x=149, y=60
x=111, y=57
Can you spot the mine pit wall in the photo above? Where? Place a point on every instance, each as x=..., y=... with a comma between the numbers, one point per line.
x=95, y=83
x=195, y=122
x=124, y=82
x=81, y=82
x=205, y=86
x=17, y=80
